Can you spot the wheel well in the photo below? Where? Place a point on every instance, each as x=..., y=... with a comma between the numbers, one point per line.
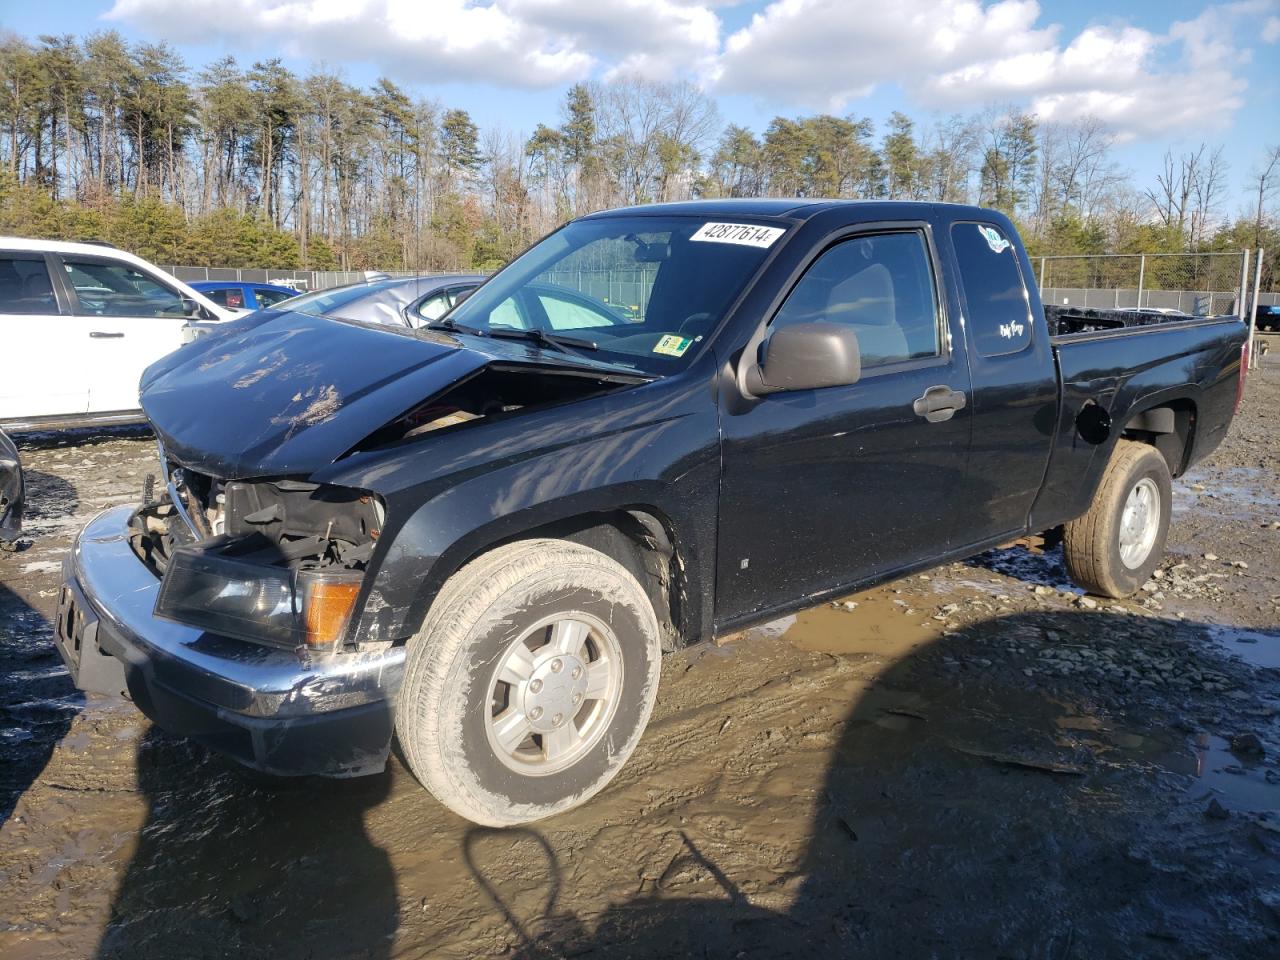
x=1168, y=427
x=640, y=541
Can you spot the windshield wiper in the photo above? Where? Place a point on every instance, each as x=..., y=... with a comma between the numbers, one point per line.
x=544, y=339
x=452, y=326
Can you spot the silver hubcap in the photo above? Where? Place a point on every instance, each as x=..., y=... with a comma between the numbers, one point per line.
x=1139, y=523
x=554, y=693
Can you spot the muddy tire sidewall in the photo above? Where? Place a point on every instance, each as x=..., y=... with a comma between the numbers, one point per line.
x=1091, y=543
x=1152, y=467
x=452, y=663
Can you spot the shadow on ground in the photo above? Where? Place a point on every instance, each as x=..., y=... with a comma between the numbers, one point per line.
x=37, y=698
x=964, y=812
x=233, y=865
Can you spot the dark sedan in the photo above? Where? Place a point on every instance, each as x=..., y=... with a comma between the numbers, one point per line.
x=12, y=492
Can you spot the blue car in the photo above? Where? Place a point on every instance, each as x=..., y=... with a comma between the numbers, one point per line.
x=235, y=295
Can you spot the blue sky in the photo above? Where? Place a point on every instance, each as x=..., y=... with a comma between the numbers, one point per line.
x=1160, y=74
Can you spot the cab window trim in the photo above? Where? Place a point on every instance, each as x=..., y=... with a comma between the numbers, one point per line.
x=942, y=328
x=74, y=296
x=963, y=292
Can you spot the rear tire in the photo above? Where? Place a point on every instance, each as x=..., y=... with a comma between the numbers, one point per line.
x=530, y=682
x=1113, y=549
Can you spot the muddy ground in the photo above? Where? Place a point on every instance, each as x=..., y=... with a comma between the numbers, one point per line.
x=976, y=762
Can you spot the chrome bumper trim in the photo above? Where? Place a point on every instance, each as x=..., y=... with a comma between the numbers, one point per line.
x=240, y=677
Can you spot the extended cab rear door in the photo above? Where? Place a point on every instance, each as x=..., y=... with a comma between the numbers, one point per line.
x=824, y=488
x=1015, y=384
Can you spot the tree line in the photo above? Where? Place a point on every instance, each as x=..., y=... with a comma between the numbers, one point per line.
x=256, y=165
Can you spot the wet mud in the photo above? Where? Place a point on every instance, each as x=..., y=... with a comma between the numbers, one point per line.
x=974, y=762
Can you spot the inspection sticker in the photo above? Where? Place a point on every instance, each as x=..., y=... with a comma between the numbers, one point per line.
x=673, y=345
x=745, y=234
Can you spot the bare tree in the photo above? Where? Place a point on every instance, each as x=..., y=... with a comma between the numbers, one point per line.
x=1267, y=182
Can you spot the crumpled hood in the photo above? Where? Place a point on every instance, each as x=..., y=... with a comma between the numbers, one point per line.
x=282, y=393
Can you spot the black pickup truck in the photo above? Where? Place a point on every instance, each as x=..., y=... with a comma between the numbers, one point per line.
x=656, y=425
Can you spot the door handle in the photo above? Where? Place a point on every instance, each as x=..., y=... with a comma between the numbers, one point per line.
x=939, y=403
x=103, y=335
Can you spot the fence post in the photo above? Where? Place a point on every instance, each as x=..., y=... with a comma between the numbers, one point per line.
x=1042, y=260
x=1244, y=284
x=1142, y=276
x=1250, y=319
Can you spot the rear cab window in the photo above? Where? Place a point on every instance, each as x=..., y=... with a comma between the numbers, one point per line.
x=25, y=287
x=997, y=308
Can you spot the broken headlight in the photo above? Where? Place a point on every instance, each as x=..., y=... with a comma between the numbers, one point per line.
x=206, y=586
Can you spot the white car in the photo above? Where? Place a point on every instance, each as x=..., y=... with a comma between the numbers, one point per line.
x=79, y=322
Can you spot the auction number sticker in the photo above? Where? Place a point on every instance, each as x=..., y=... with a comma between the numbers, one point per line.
x=744, y=234
x=672, y=345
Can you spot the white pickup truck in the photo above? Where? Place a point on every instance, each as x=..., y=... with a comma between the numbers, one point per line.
x=80, y=323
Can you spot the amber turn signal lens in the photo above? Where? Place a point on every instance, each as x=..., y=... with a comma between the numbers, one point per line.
x=328, y=608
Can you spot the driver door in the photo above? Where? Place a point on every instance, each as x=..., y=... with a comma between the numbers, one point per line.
x=825, y=488
x=131, y=319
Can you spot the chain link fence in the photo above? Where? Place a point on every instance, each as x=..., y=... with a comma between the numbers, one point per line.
x=1201, y=284
x=303, y=281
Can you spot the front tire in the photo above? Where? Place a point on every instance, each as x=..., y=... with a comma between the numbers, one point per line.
x=1113, y=549
x=530, y=682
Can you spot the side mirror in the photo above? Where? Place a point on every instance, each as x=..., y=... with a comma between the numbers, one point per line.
x=190, y=308
x=807, y=356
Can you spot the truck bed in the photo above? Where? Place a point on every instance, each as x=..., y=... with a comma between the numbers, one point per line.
x=1065, y=320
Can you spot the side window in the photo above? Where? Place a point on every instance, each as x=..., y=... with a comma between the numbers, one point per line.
x=880, y=285
x=565, y=314
x=997, y=311
x=230, y=297
x=269, y=298
x=25, y=287
x=506, y=314
x=433, y=308
x=118, y=290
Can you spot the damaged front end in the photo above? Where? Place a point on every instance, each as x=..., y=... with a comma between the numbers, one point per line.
x=272, y=561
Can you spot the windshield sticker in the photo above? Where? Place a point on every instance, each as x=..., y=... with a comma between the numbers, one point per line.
x=997, y=243
x=745, y=234
x=672, y=345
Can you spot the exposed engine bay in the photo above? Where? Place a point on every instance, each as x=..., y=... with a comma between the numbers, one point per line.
x=292, y=522
x=496, y=390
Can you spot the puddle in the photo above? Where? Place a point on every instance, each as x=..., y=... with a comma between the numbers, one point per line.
x=1238, y=783
x=1258, y=647
x=1230, y=493
x=880, y=623
x=1036, y=567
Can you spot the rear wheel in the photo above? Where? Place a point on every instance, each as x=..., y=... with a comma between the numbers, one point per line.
x=530, y=682
x=1113, y=549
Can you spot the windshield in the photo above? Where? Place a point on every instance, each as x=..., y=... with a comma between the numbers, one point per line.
x=644, y=290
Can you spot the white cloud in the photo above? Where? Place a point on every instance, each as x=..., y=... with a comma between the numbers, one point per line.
x=795, y=54
x=410, y=41
x=961, y=54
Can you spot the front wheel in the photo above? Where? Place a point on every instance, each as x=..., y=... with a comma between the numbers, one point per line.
x=530, y=682
x=1113, y=549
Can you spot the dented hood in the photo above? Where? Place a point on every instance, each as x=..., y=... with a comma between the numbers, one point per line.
x=283, y=393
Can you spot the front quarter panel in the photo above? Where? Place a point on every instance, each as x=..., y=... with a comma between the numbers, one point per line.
x=451, y=495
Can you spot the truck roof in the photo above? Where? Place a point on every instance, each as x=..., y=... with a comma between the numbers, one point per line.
x=796, y=208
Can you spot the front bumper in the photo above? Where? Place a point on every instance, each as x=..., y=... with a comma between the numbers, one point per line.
x=274, y=710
